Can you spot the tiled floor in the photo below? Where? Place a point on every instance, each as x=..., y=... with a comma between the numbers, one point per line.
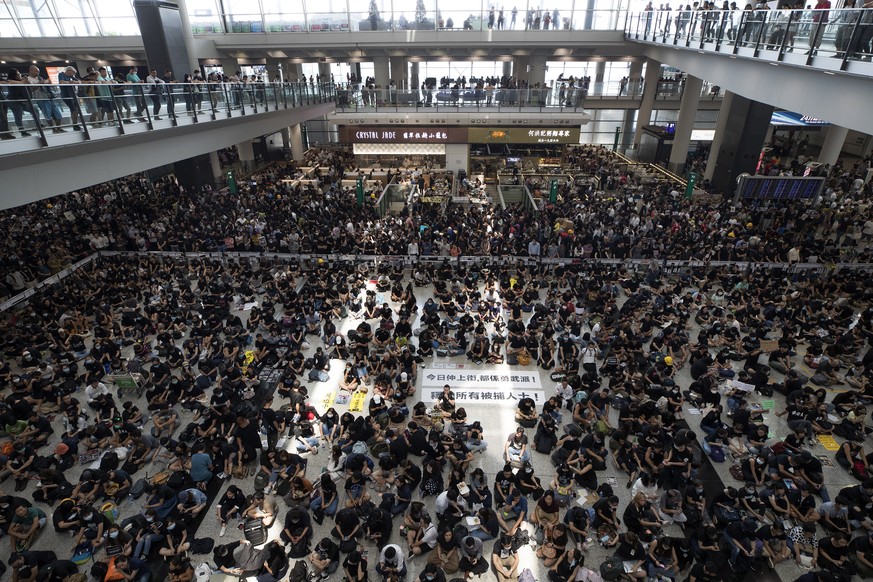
x=497, y=421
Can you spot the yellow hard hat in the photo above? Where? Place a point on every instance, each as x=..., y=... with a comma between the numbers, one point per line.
x=668, y=360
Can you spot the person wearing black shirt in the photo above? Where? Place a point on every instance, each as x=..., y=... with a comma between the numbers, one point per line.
x=704, y=572
x=630, y=549
x=833, y=552
x=325, y=558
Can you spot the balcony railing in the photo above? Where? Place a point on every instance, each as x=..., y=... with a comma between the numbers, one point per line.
x=830, y=39
x=34, y=116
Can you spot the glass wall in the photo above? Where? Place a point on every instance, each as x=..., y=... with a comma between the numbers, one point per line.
x=47, y=18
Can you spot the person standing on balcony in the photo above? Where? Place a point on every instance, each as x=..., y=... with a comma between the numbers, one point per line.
x=501, y=20
x=648, y=16
x=514, y=16
x=44, y=96
x=154, y=82
x=819, y=24
x=133, y=78
x=68, y=79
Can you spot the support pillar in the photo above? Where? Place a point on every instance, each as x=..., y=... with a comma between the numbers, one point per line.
x=833, y=144
x=635, y=78
x=272, y=69
x=400, y=72
x=295, y=138
x=537, y=73
x=507, y=69
x=720, y=128
x=414, y=80
x=293, y=72
x=229, y=66
x=650, y=88
x=381, y=71
x=216, y=166
x=599, y=71
x=164, y=36
x=740, y=131
x=246, y=156
x=627, y=132
x=521, y=68
x=685, y=123
x=324, y=72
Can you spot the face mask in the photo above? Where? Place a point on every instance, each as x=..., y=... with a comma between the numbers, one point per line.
x=150, y=519
x=699, y=490
x=171, y=527
x=113, y=534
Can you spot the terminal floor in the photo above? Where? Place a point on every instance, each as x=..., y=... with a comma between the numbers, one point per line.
x=498, y=422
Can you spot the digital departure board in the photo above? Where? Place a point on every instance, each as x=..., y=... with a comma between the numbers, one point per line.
x=779, y=188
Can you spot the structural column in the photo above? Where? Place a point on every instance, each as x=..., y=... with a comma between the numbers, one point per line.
x=324, y=72
x=272, y=68
x=399, y=72
x=685, y=123
x=537, y=72
x=650, y=89
x=229, y=66
x=295, y=139
x=635, y=78
x=414, y=80
x=246, y=155
x=293, y=71
x=380, y=71
x=216, y=165
x=599, y=71
x=833, y=144
x=740, y=131
x=718, y=138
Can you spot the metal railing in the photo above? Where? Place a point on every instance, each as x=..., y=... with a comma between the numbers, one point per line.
x=432, y=18
x=353, y=98
x=33, y=115
x=817, y=36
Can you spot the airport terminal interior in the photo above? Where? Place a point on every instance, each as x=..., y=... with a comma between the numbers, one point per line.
x=431, y=290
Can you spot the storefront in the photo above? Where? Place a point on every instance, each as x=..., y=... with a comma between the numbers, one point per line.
x=483, y=152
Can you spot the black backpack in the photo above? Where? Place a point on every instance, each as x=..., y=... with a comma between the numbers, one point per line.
x=109, y=461
x=299, y=573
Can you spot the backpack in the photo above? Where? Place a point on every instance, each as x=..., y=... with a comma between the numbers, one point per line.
x=109, y=461
x=137, y=489
x=605, y=490
x=202, y=545
x=110, y=510
x=611, y=568
x=299, y=573
x=716, y=454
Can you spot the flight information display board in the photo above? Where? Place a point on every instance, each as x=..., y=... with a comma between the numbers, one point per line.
x=779, y=188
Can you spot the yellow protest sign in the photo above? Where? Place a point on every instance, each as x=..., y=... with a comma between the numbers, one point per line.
x=357, y=404
x=828, y=442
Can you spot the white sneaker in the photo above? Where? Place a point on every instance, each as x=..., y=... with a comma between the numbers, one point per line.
x=223, y=529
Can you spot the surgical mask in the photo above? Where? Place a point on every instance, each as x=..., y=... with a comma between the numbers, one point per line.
x=699, y=490
x=150, y=519
x=113, y=534
x=171, y=527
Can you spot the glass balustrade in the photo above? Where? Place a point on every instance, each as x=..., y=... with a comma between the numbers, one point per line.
x=822, y=38
x=44, y=115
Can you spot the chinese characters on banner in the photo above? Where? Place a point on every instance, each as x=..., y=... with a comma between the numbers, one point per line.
x=480, y=378
x=493, y=395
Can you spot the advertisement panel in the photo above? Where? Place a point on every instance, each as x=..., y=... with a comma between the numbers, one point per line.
x=563, y=135
x=401, y=134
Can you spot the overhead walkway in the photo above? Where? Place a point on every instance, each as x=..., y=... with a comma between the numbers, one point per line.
x=40, y=159
x=816, y=62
